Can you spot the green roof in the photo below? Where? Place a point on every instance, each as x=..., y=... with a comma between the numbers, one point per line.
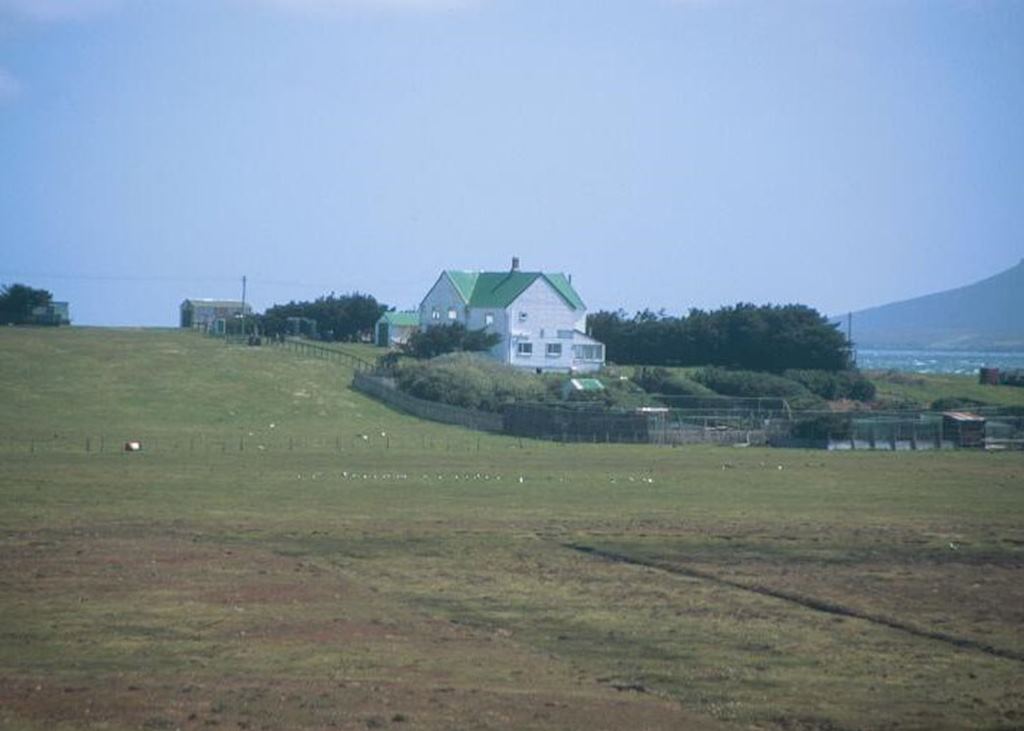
x=586, y=384
x=464, y=282
x=500, y=289
x=401, y=319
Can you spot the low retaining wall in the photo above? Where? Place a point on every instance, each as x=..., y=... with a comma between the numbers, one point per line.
x=383, y=389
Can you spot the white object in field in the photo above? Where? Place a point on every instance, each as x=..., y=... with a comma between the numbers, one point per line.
x=133, y=446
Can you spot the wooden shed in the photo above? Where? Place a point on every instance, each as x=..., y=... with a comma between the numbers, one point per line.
x=964, y=429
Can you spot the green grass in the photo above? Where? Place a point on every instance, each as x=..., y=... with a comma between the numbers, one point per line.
x=424, y=579
x=921, y=389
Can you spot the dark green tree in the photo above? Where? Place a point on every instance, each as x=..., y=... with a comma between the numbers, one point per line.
x=18, y=300
x=452, y=338
x=348, y=317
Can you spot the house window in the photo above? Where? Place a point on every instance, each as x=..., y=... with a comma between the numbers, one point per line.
x=524, y=350
x=435, y=315
x=522, y=317
x=565, y=334
x=587, y=352
x=488, y=319
x=452, y=314
x=554, y=350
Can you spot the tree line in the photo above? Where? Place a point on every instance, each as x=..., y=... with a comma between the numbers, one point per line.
x=349, y=317
x=770, y=338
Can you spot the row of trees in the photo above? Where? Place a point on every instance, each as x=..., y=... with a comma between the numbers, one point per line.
x=346, y=317
x=771, y=338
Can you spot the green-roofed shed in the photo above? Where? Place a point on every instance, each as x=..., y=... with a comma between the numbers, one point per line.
x=394, y=328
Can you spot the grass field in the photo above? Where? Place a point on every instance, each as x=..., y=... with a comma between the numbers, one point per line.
x=350, y=567
x=924, y=388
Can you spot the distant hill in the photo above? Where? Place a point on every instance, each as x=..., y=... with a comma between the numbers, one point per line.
x=986, y=315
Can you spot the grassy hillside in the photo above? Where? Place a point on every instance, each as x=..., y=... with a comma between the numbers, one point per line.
x=921, y=389
x=442, y=582
x=174, y=388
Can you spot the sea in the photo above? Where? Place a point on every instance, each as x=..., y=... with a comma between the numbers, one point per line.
x=938, y=361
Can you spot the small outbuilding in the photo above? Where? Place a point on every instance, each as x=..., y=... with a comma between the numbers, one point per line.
x=54, y=313
x=394, y=328
x=210, y=315
x=577, y=388
x=988, y=376
x=964, y=429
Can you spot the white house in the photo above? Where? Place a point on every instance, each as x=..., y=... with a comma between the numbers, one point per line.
x=539, y=316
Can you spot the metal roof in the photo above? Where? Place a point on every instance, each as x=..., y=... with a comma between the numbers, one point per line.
x=500, y=289
x=404, y=318
x=214, y=303
x=962, y=416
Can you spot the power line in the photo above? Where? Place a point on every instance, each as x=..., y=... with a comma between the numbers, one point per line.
x=160, y=278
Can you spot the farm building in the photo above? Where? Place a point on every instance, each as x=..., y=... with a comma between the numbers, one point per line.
x=54, y=313
x=539, y=316
x=966, y=430
x=394, y=328
x=211, y=315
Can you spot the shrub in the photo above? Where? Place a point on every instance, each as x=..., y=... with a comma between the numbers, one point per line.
x=823, y=426
x=669, y=383
x=753, y=384
x=467, y=380
x=833, y=385
x=955, y=403
x=435, y=341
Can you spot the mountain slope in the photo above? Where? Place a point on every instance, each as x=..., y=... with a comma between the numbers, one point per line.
x=985, y=315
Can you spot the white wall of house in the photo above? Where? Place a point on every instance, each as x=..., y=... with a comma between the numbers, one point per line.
x=493, y=320
x=444, y=300
x=540, y=318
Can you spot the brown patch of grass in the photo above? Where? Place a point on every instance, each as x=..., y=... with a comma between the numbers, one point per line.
x=201, y=636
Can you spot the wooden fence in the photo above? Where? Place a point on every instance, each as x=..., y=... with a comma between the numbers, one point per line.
x=316, y=350
x=383, y=389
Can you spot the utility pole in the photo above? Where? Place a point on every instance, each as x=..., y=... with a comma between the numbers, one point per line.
x=243, y=306
x=849, y=336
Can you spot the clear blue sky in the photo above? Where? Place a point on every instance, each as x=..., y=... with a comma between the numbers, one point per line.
x=675, y=154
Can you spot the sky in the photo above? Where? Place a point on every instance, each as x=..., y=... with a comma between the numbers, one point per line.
x=666, y=153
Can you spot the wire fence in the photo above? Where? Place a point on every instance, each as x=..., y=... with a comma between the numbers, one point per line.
x=199, y=446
